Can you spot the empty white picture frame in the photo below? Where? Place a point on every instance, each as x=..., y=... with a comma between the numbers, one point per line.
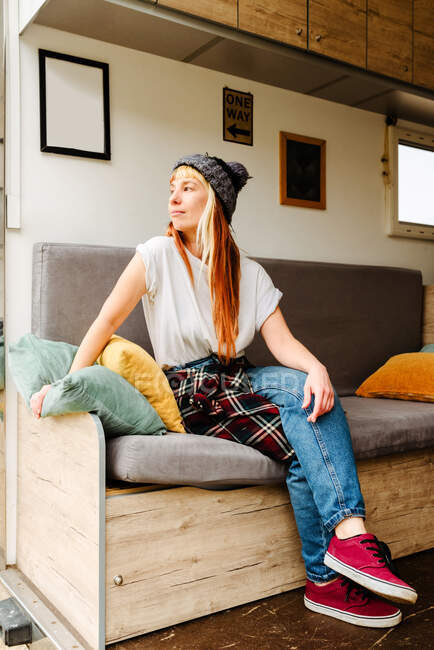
x=74, y=105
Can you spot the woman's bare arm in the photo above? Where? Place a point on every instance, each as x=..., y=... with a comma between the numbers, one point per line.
x=125, y=295
x=284, y=346
x=291, y=353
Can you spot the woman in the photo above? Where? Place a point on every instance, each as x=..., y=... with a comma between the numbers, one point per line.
x=203, y=303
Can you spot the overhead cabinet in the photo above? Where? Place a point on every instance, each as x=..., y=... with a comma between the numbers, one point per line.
x=220, y=11
x=423, y=60
x=337, y=29
x=279, y=20
x=423, y=44
x=390, y=37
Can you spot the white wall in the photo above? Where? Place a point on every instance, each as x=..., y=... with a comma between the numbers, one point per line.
x=161, y=109
x=27, y=9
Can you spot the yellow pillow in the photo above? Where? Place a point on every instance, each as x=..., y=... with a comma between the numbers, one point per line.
x=405, y=376
x=141, y=370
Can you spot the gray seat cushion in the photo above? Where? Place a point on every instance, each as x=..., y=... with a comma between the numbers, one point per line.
x=381, y=426
x=378, y=427
x=188, y=459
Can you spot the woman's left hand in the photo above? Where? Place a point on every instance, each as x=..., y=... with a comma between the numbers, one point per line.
x=318, y=383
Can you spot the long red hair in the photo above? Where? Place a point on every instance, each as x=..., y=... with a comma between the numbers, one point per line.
x=224, y=281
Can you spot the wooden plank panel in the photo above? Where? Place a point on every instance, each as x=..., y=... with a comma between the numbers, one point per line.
x=277, y=19
x=428, y=314
x=423, y=43
x=58, y=514
x=423, y=66
x=337, y=28
x=424, y=17
x=390, y=38
x=186, y=552
x=219, y=11
x=398, y=492
x=191, y=552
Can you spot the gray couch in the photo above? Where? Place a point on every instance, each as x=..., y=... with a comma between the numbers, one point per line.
x=352, y=317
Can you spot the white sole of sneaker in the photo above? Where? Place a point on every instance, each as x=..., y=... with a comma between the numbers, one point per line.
x=377, y=586
x=355, y=619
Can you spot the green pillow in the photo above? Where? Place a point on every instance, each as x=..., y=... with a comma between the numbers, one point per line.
x=121, y=408
x=34, y=362
x=428, y=348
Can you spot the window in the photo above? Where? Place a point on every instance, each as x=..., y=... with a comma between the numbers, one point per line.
x=411, y=189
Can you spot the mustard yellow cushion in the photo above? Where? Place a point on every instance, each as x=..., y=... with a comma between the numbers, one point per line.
x=135, y=365
x=405, y=376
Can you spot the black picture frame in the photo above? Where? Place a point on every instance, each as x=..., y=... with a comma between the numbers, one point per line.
x=105, y=153
x=302, y=171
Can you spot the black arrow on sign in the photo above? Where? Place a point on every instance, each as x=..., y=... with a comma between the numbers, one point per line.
x=234, y=131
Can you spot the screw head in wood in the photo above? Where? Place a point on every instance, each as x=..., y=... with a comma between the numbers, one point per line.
x=298, y=31
x=118, y=580
x=318, y=37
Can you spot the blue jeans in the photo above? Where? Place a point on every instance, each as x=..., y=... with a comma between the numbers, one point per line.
x=322, y=479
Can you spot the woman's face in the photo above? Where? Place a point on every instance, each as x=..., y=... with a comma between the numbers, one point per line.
x=187, y=201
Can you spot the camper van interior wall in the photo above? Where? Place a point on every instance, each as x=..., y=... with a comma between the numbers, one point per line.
x=302, y=171
x=74, y=105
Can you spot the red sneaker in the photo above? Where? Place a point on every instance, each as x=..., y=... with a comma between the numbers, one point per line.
x=367, y=561
x=347, y=601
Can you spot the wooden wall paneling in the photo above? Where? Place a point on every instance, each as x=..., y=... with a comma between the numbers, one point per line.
x=337, y=29
x=279, y=20
x=390, y=37
x=424, y=16
x=423, y=43
x=428, y=314
x=423, y=63
x=219, y=11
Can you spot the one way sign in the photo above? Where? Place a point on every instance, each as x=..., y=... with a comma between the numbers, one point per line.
x=237, y=116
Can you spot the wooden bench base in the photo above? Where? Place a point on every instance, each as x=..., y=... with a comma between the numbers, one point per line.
x=120, y=563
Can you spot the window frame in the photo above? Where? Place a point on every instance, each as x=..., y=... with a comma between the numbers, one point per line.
x=424, y=140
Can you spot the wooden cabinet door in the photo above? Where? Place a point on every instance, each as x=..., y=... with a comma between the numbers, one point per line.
x=423, y=43
x=390, y=38
x=281, y=20
x=337, y=28
x=220, y=11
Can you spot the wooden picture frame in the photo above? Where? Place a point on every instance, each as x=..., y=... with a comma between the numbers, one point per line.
x=302, y=171
x=74, y=105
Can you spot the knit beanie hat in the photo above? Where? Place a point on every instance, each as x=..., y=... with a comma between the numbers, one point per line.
x=226, y=179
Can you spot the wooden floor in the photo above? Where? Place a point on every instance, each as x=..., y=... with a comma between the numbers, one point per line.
x=283, y=623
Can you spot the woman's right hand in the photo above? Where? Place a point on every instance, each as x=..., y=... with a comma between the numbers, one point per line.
x=37, y=399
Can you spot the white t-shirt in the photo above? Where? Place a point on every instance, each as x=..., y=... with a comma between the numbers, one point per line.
x=179, y=318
